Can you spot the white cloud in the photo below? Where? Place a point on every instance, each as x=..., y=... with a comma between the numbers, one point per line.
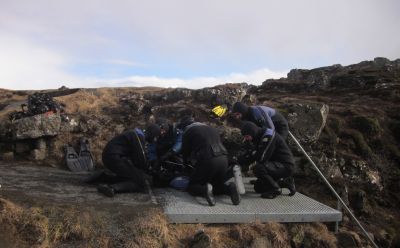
x=125, y=62
x=40, y=39
x=282, y=34
x=28, y=66
x=255, y=77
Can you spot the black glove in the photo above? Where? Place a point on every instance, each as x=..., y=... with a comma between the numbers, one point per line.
x=167, y=155
x=155, y=167
x=245, y=158
x=233, y=160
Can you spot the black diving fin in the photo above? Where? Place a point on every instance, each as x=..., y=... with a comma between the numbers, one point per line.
x=85, y=155
x=72, y=159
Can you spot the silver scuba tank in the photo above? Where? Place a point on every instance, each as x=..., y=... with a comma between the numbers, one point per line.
x=237, y=174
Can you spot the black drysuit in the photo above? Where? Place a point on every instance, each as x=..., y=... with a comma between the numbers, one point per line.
x=202, y=145
x=274, y=161
x=124, y=155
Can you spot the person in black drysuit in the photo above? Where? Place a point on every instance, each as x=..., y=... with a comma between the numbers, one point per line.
x=168, y=140
x=164, y=146
x=203, y=147
x=274, y=160
x=262, y=116
x=124, y=155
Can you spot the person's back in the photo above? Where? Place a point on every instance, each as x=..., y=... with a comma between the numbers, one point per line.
x=124, y=155
x=262, y=116
x=124, y=143
x=203, y=142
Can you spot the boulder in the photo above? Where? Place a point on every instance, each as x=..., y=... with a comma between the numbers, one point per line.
x=318, y=78
x=69, y=124
x=249, y=99
x=177, y=95
x=47, y=124
x=223, y=94
x=92, y=125
x=306, y=120
x=330, y=168
x=231, y=137
x=169, y=95
x=358, y=171
x=133, y=103
x=381, y=61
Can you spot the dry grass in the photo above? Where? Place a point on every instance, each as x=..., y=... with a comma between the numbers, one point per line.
x=89, y=101
x=275, y=232
x=312, y=235
x=72, y=227
x=149, y=230
x=38, y=227
x=153, y=230
x=29, y=227
x=7, y=96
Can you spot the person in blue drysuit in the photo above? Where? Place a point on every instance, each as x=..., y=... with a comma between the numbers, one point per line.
x=163, y=151
x=262, y=116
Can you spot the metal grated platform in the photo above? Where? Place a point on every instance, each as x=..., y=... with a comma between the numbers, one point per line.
x=180, y=207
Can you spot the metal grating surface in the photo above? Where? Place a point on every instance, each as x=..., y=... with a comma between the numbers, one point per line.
x=180, y=207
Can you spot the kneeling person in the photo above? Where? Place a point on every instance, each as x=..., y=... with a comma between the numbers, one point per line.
x=124, y=155
x=203, y=147
x=274, y=160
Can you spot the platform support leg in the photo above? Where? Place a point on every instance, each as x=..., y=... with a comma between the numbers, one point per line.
x=339, y=208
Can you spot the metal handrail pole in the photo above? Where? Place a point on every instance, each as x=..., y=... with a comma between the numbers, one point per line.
x=333, y=191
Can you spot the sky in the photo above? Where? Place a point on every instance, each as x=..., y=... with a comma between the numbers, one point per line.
x=46, y=44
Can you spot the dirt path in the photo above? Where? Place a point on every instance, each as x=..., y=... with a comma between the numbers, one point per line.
x=20, y=182
x=64, y=211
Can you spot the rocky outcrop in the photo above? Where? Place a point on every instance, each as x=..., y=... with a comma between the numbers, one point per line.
x=306, y=121
x=37, y=126
x=379, y=73
x=318, y=78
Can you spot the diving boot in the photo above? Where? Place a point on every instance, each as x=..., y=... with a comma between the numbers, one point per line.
x=265, y=183
x=289, y=183
x=270, y=186
x=102, y=176
x=106, y=190
x=209, y=195
x=271, y=194
x=127, y=187
x=234, y=194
